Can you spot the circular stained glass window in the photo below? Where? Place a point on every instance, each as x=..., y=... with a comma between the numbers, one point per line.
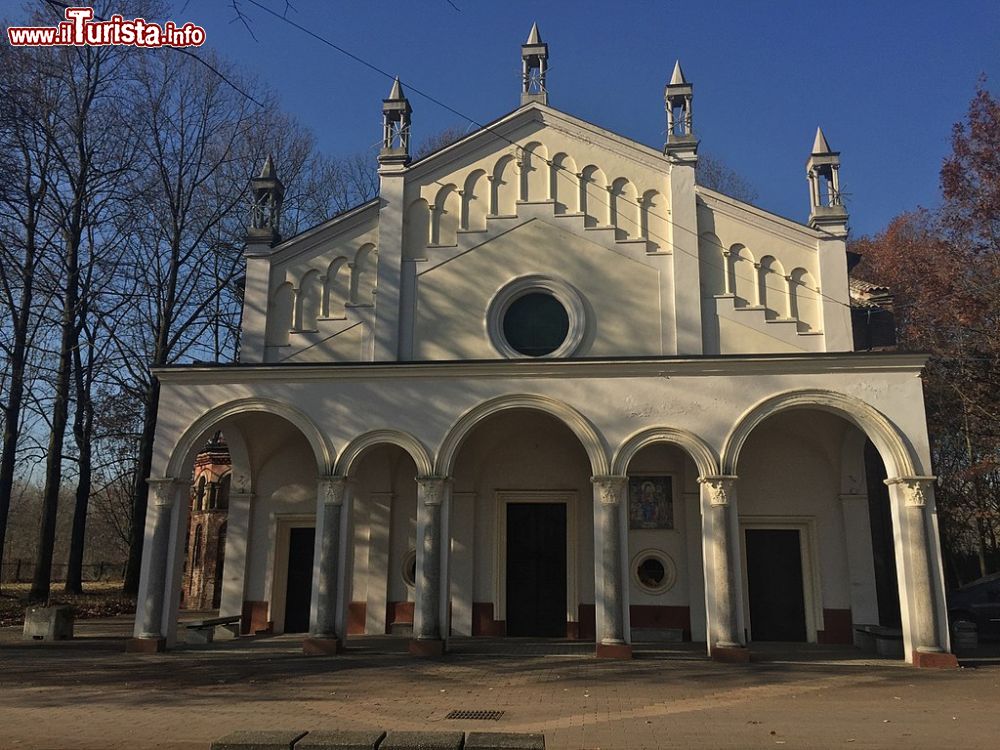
x=654, y=571
x=535, y=324
x=651, y=573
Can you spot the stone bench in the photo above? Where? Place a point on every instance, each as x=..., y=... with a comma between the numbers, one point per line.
x=48, y=623
x=378, y=740
x=204, y=631
x=884, y=641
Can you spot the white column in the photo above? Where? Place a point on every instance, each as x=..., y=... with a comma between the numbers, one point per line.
x=234, y=569
x=609, y=493
x=430, y=495
x=328, y=572
x=921, y=583
x=163, y=494
x=718, y=502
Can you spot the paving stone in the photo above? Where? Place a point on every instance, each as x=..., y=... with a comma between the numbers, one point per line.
x=340, y=740
x=504, y=741
x=423, y=741
x=258, y=740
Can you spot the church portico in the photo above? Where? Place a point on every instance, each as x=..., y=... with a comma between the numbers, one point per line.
x=440, y=490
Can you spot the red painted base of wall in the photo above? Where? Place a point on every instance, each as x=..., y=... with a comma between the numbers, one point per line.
x=398, y=613
x=613, y=651
x=731, y=655
x=145, y=645
x=427, y=648
x=837, y=627
x=321, y=646
x=356, y=615
x=934, y=661
x=656, y=616
x=254, y=619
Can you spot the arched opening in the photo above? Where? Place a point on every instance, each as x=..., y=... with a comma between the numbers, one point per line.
x=381, y=537
x=521, y=527
x=814, y=517
x=261, y=474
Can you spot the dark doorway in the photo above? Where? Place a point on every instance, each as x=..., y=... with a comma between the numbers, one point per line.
x=774, y=580
x=300, y=570
x=536, y=569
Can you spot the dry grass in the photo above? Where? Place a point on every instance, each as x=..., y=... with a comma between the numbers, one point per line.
x=100, y=599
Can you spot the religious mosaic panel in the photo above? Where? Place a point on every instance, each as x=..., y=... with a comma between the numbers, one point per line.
x=650, y=503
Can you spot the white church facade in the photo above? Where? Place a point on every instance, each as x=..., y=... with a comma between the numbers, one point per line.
x=545, y=384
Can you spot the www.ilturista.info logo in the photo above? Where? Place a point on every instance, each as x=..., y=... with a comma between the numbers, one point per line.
x=80, y=30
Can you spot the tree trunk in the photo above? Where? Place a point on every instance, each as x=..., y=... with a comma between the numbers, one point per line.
x=140, y=493
x=83, y=423
x=40, y=585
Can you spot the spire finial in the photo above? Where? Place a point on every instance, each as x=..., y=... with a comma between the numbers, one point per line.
x=268, y=171
x=396, y=112
x=396, y=93
x=534, y=63
x=267, y=195
x=820, y=144
x=678, y=79
x=826, y=202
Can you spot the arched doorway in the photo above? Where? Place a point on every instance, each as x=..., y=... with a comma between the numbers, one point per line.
x=521, y=528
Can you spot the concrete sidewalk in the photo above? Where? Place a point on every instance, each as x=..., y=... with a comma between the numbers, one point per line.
x=89, y=694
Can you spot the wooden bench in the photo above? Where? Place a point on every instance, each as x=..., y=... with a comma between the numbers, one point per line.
x=203, y=631
x=884, y=641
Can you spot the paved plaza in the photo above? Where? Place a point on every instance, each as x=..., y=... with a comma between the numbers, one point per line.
x=89, y=694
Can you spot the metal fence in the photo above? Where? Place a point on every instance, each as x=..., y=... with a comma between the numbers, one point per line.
x=23, y=571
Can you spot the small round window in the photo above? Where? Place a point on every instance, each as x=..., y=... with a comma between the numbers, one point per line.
x=409, y=570
x=535, y=324
x=654, y=571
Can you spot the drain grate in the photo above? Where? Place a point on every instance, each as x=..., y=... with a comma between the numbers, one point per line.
x=476, y=715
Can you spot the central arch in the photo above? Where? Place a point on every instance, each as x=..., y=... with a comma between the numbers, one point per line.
x=574, y=420
x=352, y=452
x=897, y=455
x=701, y=452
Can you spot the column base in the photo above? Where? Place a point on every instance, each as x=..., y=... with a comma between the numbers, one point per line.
x=934, y=660
x=145, y=645
x=428, y=647
x=613, y=651
x=731, y=654
x=321, y=646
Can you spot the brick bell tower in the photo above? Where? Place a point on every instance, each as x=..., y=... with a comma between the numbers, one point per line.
x=206, y=539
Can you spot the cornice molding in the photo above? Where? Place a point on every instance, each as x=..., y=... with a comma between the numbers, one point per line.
x=749, y=365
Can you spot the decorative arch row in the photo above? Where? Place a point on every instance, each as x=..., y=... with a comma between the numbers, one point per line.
x=322, y=296
x=893, y=447
x=531, y=176
x=764, y=283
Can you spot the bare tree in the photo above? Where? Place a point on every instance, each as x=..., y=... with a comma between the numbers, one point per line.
x=715, y=174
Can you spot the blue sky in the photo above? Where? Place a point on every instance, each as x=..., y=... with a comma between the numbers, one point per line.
x=886, y=79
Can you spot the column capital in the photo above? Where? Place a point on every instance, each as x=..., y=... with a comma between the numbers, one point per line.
x=162, y=490
x=719, y=487
x=332, y=489
x=611, y=487
x=431, y=489
x=915, y=489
